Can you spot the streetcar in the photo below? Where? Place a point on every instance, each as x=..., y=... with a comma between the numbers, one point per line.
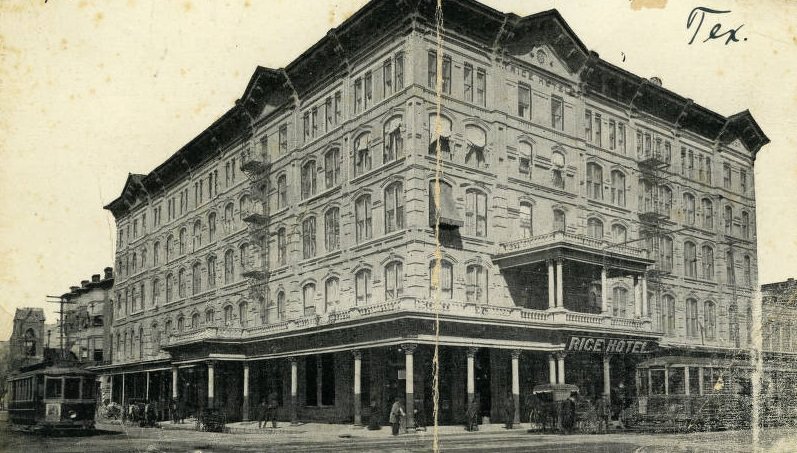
x=52, y=396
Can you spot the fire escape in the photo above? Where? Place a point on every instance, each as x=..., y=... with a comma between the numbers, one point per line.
x=255, y=164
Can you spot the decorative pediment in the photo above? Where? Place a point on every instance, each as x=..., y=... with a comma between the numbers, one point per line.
x=738, y=146
x=545, y=58
x=546, y=41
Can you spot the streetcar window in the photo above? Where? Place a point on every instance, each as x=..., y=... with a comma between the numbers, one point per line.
x=53, y=388
x=88, y=388
x=676, y=385
x=71, y=388
x=694, y=380
x=657, y=381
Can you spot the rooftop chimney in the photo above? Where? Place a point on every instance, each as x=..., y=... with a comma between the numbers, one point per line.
x=108, y=273
x=84, y=283
x=655, y=81
x=95, y=278
x=74, y=288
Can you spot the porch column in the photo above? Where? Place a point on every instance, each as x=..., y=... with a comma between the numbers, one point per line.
x=245, y=408
x=123, y=391
x=607, y=383
x=560, y=302
x=604, y=291
x=174, y=382
x=700, y=379
x=110, y=387
x=294, y=391
x=551, y=369
x=211, y=383
x=146, y=396
x=686, y=380
x=516, y=384
x=358, y=419
x=409, y=382
x=561, y=366
x=644, y=295
x=666, y=380
x=637, y=299
x=650, y=382
x=551, y=285
x=319, y=381
x=471, y=385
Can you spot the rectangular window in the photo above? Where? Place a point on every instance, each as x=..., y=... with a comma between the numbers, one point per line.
x=743, y=180
x=588, y=125
x=399, y=72
x=481, y=87
x=358, y=96
x=640, y=143
x=523, y=101
x=314, y=122
x=368, y=83
x=648, y=145
x=338, y=106
x=447, y=74
x=691, y=167
x=598, y=131
x=667, y=152
x=612, y=135
x=467, y=73
x=557, y=113
x=330, y=114
x=306, y=126
x=726, y=176
x=621, y=137
x=308, y=238
x=431, y=70
x=387, y=77
x=283, y=138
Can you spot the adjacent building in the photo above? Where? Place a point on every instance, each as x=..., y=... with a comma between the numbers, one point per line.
x=779, y=335
x=537, y=213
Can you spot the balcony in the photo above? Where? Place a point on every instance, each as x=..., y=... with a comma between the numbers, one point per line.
x=653, y=161
x=447, y=309
x=254, y=270
x=254, y=214
x=253, y=162
x=561, y=244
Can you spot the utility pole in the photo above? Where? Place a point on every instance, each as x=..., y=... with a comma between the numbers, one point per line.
x=60, y=301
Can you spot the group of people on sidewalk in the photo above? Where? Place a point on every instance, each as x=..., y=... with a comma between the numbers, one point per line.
x=267, y=411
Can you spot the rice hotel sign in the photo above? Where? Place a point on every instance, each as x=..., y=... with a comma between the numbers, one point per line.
x=580, y=343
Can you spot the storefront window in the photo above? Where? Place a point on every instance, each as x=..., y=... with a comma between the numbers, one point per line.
x=676, y=378
x=694, y=380
x=644, y=385
x=657, y=381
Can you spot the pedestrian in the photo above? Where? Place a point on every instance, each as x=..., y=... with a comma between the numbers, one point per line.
x=569, y=413
x=396, y=413
x=262, y=410
x=602, y=413
x=472, y=414
x=271, y=409
x=509, y=411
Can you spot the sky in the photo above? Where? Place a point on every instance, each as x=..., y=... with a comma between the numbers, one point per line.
x=91, y=91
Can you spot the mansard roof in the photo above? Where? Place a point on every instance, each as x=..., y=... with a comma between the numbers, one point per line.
x=501, y=34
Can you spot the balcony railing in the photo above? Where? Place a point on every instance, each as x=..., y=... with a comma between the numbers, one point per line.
x=446, y=308
x=253, y=162
x=254, y=214
x=572, y=240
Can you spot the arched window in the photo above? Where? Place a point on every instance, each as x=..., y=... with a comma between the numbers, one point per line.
x=691, y=318
x=444, y=134
x=665, y=258
x=475, y=154
x=444, y=280
x=748, y=270
x=211, y=227
x=169, y=288
x=362, y=214
x=526, y=219
x=690, y=259
x=394, y=207
x=394, y=280
x=244, y=207
x=243, y=313
x=228, y=315
x=665, y=195
x=30, y=343
x=282, y=247
x=210, y=316
x=228, y=220
x=211, y=271
x=308, y=179
x=144, y=258
x=308, y=238
x=559, y=220
x=362, y=154
x=332, y=229
x=156, y=337
x=708, y=213
x=476, y=284
x=282, y=192
x=710, y=319
x=476, y=213
x=229, y=267
x=595, y=228
x=181, y=282
x=308, y=299
x=156, y=254
x=558, y=170
x=196, y=279
x=745, y=225
x=168, y=328
x=183, y=240
x=708, y=262
x=331, y=293
x=244, y=257
x=619, y=233
x=180, y=323
x=331, y=168
x=195, y=321
x=362, y=286
x=618, y=188
x=689, y=209
x=156, y=292
x=525, y=158
x=730, y=267
x=594, y=181
x=620, y=302
x=394, y=143
x=281, y=305
x=197, y=235
x=135, y=261
x=119, y=355
x=728, y=220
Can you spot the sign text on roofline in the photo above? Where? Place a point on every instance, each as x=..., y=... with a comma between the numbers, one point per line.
x=580, y=343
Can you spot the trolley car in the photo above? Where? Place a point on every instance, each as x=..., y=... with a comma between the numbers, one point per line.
x=52, y=397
